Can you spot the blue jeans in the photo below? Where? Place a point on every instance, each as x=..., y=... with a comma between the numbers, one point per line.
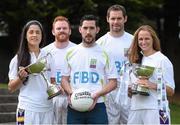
x=96, y=116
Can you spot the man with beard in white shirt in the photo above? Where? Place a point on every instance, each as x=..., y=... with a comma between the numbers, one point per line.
x=116, y=42
x=89, y=72
x=61, y=30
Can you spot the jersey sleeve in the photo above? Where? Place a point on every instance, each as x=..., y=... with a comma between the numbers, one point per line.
x=101, y=41
x=13, y=68
x=52, y=66
x=168, y=73
x=66, y=69
x=110, y=68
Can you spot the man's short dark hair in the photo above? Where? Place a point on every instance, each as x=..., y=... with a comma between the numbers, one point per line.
x=90, y=17
x=116, y=7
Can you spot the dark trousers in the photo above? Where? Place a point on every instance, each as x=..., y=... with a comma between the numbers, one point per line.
x=96, y=116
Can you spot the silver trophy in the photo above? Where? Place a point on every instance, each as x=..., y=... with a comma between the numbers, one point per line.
x=39, y=67
x=141, y=72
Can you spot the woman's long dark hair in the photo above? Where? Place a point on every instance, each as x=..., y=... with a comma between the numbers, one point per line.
x=23, y=54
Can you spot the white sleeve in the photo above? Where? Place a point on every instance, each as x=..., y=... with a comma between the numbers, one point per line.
x=13, y=70
x=66, y=70
x=52, y=67
x=168, y=73
x=110, y=68
x=101, y=40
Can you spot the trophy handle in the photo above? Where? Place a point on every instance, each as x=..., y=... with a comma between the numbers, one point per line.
x=40, y=65
x=52, y=90
x=47, y=82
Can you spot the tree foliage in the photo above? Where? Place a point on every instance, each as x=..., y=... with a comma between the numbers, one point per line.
x=16, y=13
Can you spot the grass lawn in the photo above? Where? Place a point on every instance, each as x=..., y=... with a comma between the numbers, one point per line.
x=175, y=113
x=3, y=85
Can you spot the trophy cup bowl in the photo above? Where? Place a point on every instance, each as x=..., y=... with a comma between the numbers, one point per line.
x=38, y=68
x=142, y=72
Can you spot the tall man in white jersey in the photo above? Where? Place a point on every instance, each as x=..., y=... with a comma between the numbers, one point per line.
x=116, y=42
x=61, y=30
x=87, y=66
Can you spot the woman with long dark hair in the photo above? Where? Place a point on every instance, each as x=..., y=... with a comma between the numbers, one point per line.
x=33, y=106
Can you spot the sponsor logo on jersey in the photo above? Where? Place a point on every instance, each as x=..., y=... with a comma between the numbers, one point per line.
x=85, y=77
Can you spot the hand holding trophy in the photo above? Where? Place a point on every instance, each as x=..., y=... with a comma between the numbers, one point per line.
x=39, y=67
x=141, y=72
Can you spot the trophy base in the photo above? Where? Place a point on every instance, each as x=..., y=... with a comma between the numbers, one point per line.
x=134, y=92
x=53, y=91
x=134, y=89
x=143, y=91
x=53, y=95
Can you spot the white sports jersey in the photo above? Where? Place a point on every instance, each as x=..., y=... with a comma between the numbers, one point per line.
x=33, y=95
x=157, y=60
x=116, y=47
x=88, y=68
x=59, y=102
x=58, y=55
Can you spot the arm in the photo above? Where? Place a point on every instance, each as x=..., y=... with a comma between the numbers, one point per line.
x=66, y=85
x=168, y=75
x=15, y=84
x=151, y=85
x=170, y=91
x=146, y=83
x=107, y=88
x=111, y=75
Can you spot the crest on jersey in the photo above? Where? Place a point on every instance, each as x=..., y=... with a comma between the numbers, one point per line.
x=93, y=63
x=126, y=52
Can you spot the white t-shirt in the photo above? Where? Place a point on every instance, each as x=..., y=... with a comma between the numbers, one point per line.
x=89, y=68
x=157, y=60
x=116, y=47
x=58, y=55
x=33, y=95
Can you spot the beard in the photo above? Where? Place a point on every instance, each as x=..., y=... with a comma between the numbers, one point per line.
x=62, y=37
x=88, y=39
x=117, y=29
